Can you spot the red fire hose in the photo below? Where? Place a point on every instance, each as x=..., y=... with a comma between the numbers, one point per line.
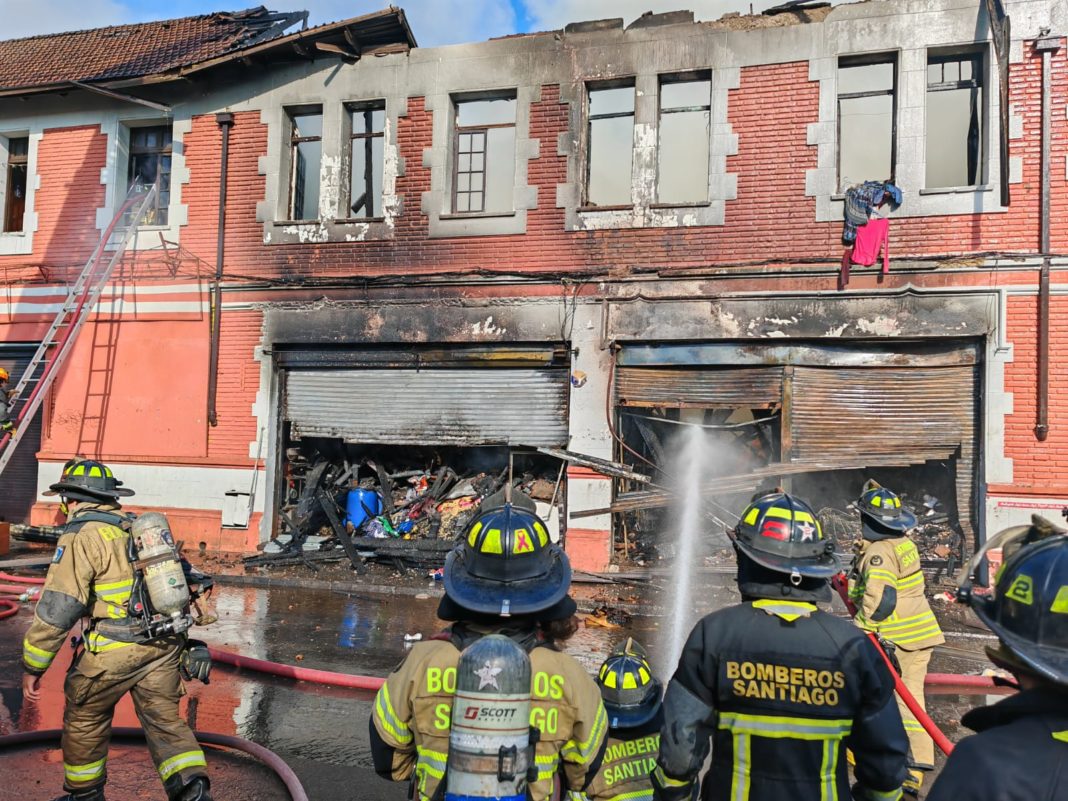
x=944, y=745
x=267, y=757
x=302, y=674
x=8, y=607
x=21, y=579
x=17, y=589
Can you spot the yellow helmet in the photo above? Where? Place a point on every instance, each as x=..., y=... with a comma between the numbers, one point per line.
x=4, y=374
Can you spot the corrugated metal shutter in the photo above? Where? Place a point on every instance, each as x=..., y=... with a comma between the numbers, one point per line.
x=703, y=388
x=19, y=479
x=885, y=416
x=430, y=407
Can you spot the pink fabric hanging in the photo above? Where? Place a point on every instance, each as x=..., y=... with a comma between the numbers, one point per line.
x=871, y=238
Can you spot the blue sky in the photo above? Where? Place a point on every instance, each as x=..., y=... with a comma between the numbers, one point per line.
x=435, y=22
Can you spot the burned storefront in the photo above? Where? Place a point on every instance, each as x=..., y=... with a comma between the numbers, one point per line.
x=817, y=416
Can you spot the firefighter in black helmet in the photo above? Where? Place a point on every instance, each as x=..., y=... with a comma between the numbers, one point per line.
x=505, y=577
x=782, y=688
x=632, y=699
x=1021, y=747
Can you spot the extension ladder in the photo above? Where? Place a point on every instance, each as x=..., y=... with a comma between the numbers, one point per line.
x=79, y=304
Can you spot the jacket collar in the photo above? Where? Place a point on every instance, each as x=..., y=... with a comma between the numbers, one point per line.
x=1029, y=703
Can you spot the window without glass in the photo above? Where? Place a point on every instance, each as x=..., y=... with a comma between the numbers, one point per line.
x=18, y=150
x=305, y=155
x=484, y=172
x=682, y=155
x=367, y=121
x=150, y=163
x=866, y=99
x=954, y=119
x=609, y=142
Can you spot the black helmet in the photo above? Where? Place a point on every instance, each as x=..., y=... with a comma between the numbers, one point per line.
x=506, y=565
x=630, y=693
x=781, y=532
x=88, y=481
x=1028, y=610
x=881, y=514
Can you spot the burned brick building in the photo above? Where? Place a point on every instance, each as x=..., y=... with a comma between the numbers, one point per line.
x=570, y=240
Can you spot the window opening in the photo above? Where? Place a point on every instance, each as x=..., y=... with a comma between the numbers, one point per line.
x=306, y=151
x=954, y=119
x=867, y=130
x=609, y=145
x=484, y=174
x=682, y=153
x=18, y=150
x=150, y=163
x=367, y=122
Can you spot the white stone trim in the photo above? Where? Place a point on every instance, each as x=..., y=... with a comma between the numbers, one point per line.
x=20, y=243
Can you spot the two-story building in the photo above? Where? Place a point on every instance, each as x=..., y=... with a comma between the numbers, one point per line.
x=572, y=239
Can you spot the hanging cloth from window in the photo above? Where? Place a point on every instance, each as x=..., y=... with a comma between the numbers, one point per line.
x=872, y=238
x=862, y=199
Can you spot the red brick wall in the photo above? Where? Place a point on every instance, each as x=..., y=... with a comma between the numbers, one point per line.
x=239, y=380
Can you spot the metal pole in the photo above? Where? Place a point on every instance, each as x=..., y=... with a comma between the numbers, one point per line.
x=225, y=121
x=1046, y=46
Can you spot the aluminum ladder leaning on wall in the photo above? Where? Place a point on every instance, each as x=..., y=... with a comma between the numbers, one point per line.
x=78, y=305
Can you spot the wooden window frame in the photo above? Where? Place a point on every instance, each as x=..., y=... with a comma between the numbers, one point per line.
x=294, y=141
x=367, y=108
x=22, y=160
x=473, y=130
x=159, y=214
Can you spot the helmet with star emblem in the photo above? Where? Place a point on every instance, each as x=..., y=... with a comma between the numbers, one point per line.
x=780, y=532
x=881, y=514
x=506, y=565
x=631, y=694
x=1028, y=609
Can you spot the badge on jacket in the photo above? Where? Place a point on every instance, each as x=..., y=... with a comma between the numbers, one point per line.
x=876, y=560
x=59, y=554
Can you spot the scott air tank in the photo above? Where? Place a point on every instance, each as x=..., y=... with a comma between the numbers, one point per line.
x=489, y=740
x=164, y=578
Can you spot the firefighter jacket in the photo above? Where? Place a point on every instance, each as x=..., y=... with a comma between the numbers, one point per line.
x=90, y=576
x=888, y=589
x=783, y=690
x=411, y=719
x=1019, y=754
x=629, y=760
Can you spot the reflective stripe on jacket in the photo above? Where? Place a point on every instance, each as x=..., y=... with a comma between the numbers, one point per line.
x=629, y=760
x=888, y=588
x=90, y=576
x=412, y=715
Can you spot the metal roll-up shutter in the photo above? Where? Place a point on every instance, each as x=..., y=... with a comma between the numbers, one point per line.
x=19, y=479
x=885, y=416
x=444, y=406
x=700, y=387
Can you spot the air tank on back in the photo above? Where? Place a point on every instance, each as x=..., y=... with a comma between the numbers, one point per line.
x=164, y=578
x=489, y=739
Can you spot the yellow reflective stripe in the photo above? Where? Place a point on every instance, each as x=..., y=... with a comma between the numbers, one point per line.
x=102, y=589
x=915, y=580
x=98, y=643
x=1061, y=735
x=547, y=765
x=889, y=795
x=828, y=779
x=575, y=796
x=431, y=762
x=913, y=725
x=116, y=612
x=785, y=514
x=878, y=574
x=666, y=780
x=922, y=634
x=631, y=796
x=37, y=657
x=777, y=727
x=388, y=718
x=179, y=762
x=787, y=610
x=79, y=774
x=740, y=773
x=583, y=750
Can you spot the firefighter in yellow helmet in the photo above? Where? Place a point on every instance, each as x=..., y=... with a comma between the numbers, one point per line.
x=888, y=589
x=632, y=699
x=5, y=403
x=93, y=576
x=781, y=687
x=505, y=577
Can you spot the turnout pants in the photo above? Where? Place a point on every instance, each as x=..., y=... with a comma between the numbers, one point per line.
x=913, y=672
x=96, y=682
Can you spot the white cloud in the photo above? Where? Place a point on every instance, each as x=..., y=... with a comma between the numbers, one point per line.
x=21, y=18
x=553, y=14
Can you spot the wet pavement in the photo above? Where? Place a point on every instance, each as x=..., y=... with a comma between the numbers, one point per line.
x=321, y=732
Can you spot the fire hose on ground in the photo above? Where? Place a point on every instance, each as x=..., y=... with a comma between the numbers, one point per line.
x=267, y=757
x=918, y=712
x=8, y=607
x=20, y=579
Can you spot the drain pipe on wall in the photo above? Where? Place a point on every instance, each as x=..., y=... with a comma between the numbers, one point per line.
x=1047, y=46
x=225, y=121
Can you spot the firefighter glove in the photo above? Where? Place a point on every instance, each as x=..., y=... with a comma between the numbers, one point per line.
x=195, y=662
x=891, y=653
x=667, y=789
x=8, y=427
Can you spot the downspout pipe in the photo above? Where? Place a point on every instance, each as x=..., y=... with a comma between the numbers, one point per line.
x=1047, y=46
x=225, y=121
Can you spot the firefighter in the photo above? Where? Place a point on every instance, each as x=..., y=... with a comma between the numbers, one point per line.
x=504, y=577
x=6, y=425
x=632, y=699
x=781, y=687
x=92, y=576
x=888, y=589
x=1022, y=741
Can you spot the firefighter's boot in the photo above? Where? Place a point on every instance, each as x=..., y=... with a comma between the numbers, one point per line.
x=196, y=790
x=96, y=794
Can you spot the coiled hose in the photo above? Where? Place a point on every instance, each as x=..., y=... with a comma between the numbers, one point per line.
x=264, y=755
